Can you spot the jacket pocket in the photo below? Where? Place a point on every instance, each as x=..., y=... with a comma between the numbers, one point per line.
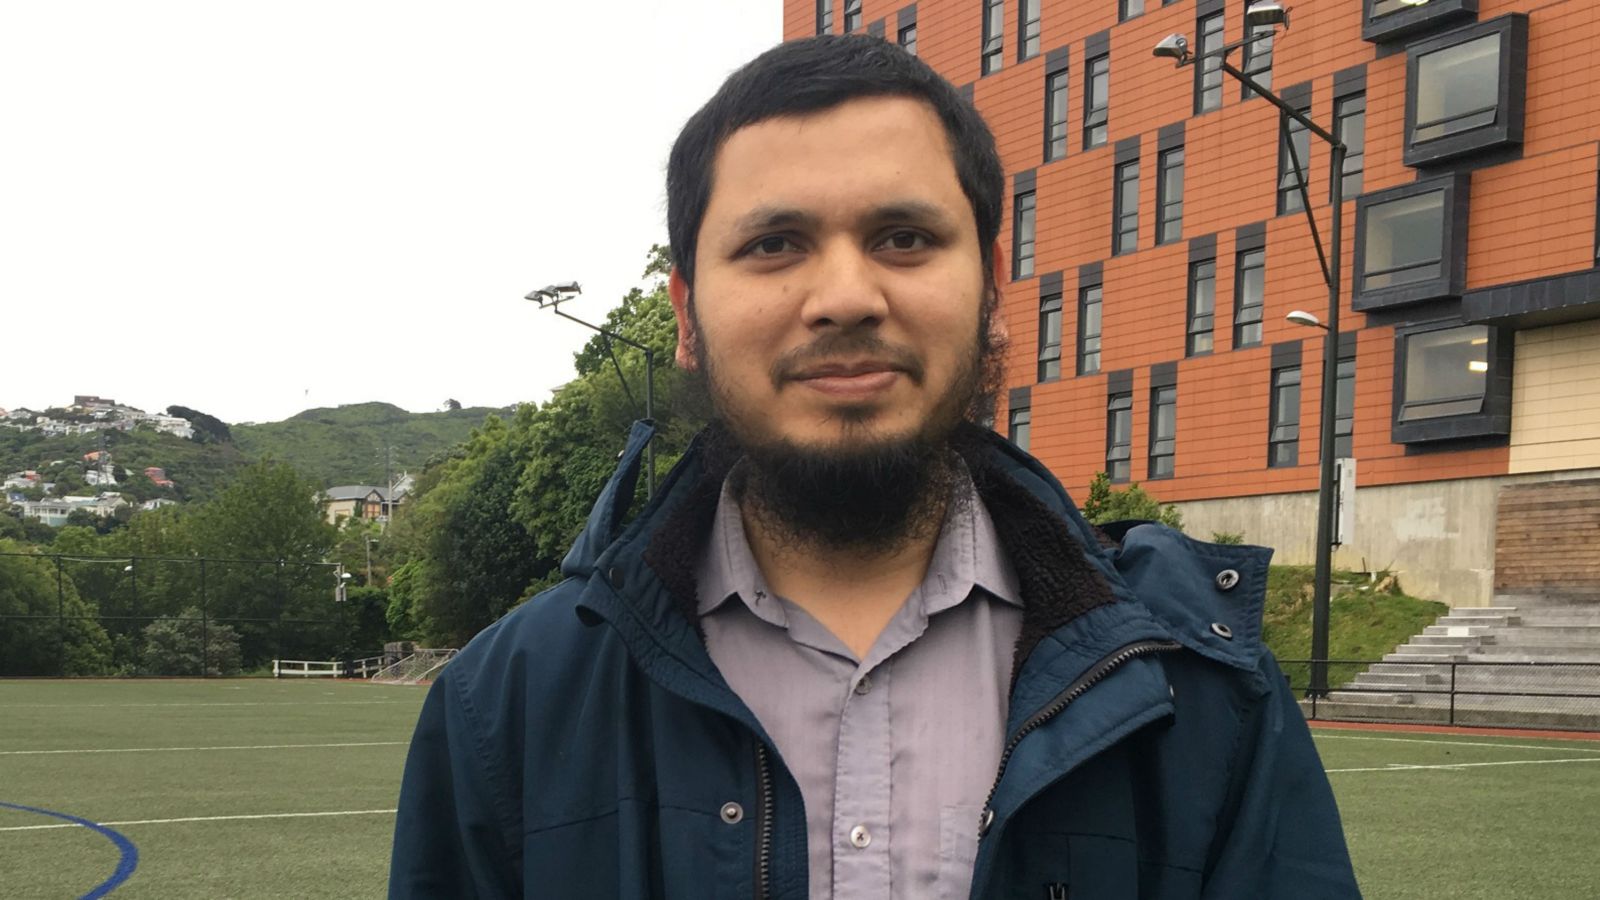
x=637, y=850
x=1073, y=867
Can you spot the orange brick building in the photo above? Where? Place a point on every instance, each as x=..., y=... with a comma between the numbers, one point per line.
x=1147, y=306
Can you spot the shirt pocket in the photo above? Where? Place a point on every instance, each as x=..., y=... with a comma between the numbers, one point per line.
x=958, y=850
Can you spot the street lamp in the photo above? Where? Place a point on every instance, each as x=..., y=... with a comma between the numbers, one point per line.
x=1176, y=47
x=551, y=297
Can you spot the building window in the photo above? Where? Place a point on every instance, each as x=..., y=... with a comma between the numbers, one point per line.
x=1169, y=196
x=1119, y=436
x=1096, y=100
x=1202, y=306
x=1020, y=426
x=1344, y=409
x=824, y=16
x=1055, y=115
x=1050, y=337
x=1125, y=215
x=1258, y=58
x=1208, y=65
x=1249, y=297
x=1089, y=329
x=1446, y=372
x=1465, y=90
x=1022, y=236
x=1028, y=30
x=852, y=15
x=994, y=35
x=1297, y=139
x=1410, y=243
x=1392, y=20
x=1350, y=127
x=1283, y=438
x=908, y=38
x=1163, y=431
x=1127, y=9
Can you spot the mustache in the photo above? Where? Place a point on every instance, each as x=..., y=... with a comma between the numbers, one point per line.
x=845, y=345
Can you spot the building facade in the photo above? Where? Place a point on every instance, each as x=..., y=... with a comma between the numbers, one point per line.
x=1157, y=241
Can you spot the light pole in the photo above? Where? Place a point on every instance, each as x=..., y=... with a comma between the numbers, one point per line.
x=551, y=297
x=1176, y=47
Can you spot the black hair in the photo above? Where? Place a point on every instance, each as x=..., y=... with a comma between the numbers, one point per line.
x=816, y=74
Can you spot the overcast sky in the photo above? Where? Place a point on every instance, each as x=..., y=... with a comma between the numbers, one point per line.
x=255, y=208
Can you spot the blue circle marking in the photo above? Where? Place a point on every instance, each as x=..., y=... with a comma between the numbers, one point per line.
x=125, y=865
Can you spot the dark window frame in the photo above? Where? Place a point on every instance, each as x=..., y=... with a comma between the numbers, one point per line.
x=1096, y=119
x=1344, y=416
x=1165, y=216
x=1050, y=350
x=1126, y=10
x=1089, y=358
x=1506, y=131
x=1122, y=213
x=1282, y=434
x=992, y=57
x=1029, y=31
x=1162, y=448
x=824, y=16
x=1402, y=21
x=1058, y=80
x=1119, y=403
x=906, y=37
x=1242, y=312
x=1019, y=421
x=1258, y=52
x=1199, y=330
x=1354, y=163
x=1493, y=417
x=852, y=8
x=1451, y=280
x=1207, y=65
x=1024, y=210
x=1292, y=132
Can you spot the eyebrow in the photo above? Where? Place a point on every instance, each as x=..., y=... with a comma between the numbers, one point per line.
x=763, y=218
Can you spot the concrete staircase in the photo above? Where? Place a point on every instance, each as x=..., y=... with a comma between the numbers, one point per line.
x=1494, y=658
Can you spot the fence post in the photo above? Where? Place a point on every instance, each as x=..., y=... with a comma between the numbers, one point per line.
x=1452, y=692
x=61, y=622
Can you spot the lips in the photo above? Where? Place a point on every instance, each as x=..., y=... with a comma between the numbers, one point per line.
x=849, y=381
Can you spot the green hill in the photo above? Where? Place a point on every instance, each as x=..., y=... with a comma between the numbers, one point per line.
x=346, y=444
x=197, y=470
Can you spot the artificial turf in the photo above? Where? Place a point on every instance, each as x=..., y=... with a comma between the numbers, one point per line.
x=1509, y=818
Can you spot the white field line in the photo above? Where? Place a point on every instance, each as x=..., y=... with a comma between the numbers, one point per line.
x=4, y=706
x=305, y=815
x=184, y=749
x=1361, y=737
x=1401, y=767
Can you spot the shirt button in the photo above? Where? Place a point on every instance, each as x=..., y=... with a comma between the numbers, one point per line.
x=864, y=685
x=860, y=837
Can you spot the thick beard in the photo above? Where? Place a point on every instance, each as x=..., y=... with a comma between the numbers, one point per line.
x=858, y=495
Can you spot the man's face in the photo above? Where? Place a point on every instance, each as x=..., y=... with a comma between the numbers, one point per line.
x=838, y=281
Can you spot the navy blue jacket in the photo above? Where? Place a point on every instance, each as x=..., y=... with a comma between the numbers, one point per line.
x=585, y=746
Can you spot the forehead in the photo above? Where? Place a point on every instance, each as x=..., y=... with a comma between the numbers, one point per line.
x=861, y=153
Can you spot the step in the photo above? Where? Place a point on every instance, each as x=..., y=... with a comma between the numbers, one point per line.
x=1483, y=610
x=1409, y=657
x=1371, y=699
x=1400, y=681
x=1459, y=630
x=1427, y=671
x=1501, y=620
x=1555, y=634
x=1448, y=640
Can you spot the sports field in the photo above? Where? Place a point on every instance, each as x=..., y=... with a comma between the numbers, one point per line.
x=254, y=788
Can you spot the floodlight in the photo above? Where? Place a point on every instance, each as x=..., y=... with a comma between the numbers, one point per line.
x=552, y=294
x=1173, y=46
x=1301, y=317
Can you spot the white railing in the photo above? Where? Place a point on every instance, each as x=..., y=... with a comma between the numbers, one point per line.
x=367, y=667
x=307, y=668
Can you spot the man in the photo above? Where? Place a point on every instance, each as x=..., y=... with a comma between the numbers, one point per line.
x=859, y=647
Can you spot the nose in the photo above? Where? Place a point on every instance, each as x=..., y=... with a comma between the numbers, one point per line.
x=846, y=292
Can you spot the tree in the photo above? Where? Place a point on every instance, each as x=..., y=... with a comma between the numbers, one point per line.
x=1105, y=505
x=452, y=405
x=189, y=646
x=207, y=429
x=45, y=627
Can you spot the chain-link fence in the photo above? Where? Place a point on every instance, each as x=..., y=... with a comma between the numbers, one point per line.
x=132, y=616
x=1517, y=694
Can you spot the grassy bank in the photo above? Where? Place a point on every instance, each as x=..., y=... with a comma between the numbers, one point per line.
x=1366, y=620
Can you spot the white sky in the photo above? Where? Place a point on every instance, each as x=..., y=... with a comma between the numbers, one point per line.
x=255, y=208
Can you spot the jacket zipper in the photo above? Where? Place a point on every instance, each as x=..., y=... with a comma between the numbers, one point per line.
x=764, y=824
x=1072, y=692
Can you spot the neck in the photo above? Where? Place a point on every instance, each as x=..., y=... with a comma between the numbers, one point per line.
x=852, y=590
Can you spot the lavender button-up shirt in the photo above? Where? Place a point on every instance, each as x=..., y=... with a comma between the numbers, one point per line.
x=894, y=753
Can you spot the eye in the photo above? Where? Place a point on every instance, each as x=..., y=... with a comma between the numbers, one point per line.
x=770, y=246
x=905, y=241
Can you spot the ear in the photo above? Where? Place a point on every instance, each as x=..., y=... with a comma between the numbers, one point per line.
x=678, y=290
x=997, y=322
